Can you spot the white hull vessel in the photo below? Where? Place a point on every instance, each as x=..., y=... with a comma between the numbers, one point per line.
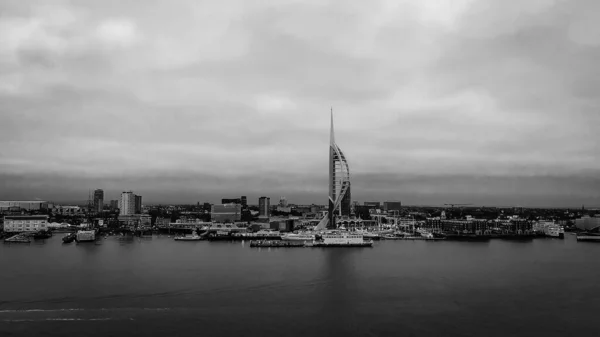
x=306, y=237
x=341, y=239
x=85, y=236
x=193, y=237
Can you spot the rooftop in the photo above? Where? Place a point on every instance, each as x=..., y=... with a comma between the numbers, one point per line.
x=26, y=217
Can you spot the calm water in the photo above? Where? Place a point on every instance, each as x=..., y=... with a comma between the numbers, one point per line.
x=160, y=287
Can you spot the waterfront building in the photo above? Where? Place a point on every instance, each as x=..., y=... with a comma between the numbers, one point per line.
x=25, y=223
x=135, y=220
x=339, y=182
x=98, y=200
x=226, y=213
x=264, y=205
x=130, y=203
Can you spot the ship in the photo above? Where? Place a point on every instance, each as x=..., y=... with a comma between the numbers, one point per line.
x=190, y=237
x=302, y=236
x=549, y=229
x=336, y=238
x=590, y=235
x=69, y=238
x=88, y=235
x=276, y=244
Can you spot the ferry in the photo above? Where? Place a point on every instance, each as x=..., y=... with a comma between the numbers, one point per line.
x=340, y=239
x=85, y=236
x=554, y=231
x=590, y=235
x=189, y=237
x=302, y=236
x=549, y=229
x=261, y=234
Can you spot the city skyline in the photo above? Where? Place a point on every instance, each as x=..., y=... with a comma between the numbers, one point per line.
x=462, y=102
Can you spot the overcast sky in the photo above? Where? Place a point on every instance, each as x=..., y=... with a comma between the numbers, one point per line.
x=445, y=101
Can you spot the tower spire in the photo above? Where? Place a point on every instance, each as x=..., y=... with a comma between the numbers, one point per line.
x=332, y=137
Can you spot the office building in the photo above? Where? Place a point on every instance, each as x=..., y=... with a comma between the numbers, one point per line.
x=244, y=201
x=373, y=204
x=264, y=205
x=226, y=213
x=25, y=223
x=138, y=204
x=231, y=201
x=98, y=200
x=114, y=204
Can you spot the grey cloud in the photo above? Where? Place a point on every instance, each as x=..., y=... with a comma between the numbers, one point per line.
x=236, y=96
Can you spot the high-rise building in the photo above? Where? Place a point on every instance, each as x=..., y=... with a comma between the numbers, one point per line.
x=98, y=200
x=138, y=204
x=130, y=203
x=339, y=182
x=264, y=204
x=244, y=201
x=114, y=204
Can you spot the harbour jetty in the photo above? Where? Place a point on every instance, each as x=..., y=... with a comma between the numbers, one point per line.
x=19, y=238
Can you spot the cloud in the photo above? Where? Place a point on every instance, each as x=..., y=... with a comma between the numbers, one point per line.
x=108, y=92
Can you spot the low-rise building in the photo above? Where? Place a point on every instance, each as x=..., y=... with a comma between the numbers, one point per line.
x=25, y=223
x=226, y=213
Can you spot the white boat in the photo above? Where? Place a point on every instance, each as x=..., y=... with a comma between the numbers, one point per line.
x=549, y=229
x=337, y=238
x=424, y=233
x=85, y=236
x=303, y=236
x=554, y=231
x=189, y=237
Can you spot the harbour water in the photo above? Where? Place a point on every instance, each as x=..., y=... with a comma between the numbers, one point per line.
x=161, y=287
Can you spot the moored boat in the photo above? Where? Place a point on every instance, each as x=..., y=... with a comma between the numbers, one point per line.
x=340, y=239
x=302, y=237
x=69, y=238
x=189, y=237
x=85, y=236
